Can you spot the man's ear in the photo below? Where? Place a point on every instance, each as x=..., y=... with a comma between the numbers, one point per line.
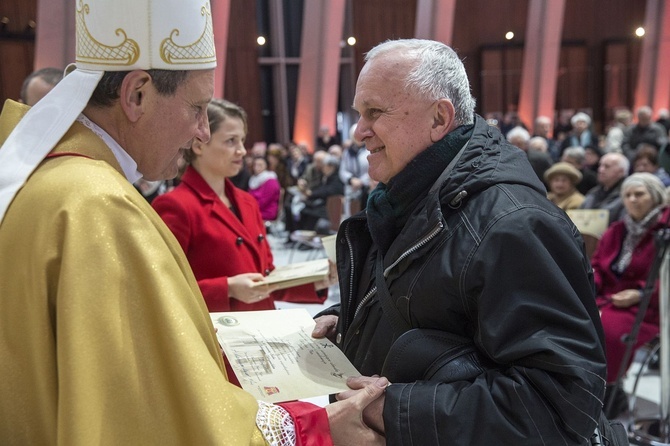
x=443, y=119
x=133, y=94
x=196, y=146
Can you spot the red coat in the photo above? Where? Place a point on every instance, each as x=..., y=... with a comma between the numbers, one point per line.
x=218, y=245
x=618, y=322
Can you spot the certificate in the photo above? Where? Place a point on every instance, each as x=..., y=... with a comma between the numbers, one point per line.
x=275, y=357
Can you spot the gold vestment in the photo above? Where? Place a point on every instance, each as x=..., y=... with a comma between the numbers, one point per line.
x=104, y=336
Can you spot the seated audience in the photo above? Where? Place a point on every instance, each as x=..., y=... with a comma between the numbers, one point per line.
x=607, y=194
x=316, y=198
x=581, y=134
x=324, y=139
x=297, y=162
x=264, y=187
x=614, y=137
x=277, y=162
x=664, y=119
x=592, y=155
x=643, y=131
x=576, y=157
x=354, y=174
x=562, y=179
x=336, y=151
x=296, y=198
x=538, y=154
x=621, y=264
x=539, y=161
x=542, y=128
x=313, y=175
x=646, y=160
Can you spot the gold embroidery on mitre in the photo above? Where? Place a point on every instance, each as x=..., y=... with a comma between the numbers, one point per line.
x=199, y=52
x=93, y=51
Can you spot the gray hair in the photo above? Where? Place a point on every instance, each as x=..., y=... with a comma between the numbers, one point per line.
x=538, y=144
x=331, y=160
x=650, y=181
x=438, y=74
x=575, y=152
x=621, y=160
x=518, y=132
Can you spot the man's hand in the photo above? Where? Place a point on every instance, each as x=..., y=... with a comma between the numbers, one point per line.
x=326, y=327
x=373, y=414
x=346, y=416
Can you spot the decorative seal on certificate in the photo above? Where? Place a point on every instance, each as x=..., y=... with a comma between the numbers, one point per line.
x=229, y=321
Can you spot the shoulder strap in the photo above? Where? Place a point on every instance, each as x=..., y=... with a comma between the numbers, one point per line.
x=397, y=320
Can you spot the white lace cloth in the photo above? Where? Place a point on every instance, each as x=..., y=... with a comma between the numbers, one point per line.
x=276, y=424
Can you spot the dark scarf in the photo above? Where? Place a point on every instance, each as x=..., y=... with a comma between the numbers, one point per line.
x=389, y=206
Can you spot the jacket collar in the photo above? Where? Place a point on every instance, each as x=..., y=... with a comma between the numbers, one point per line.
x=240, y=226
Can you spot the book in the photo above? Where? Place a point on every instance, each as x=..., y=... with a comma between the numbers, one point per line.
x=295, y=274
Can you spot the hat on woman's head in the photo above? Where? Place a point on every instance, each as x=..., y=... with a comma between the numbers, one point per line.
x=112, y=35
x=566, y=169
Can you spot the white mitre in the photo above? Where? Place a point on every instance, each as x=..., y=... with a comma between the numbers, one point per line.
x=112, y=35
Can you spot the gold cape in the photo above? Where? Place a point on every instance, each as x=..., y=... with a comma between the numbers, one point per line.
x=104, y=336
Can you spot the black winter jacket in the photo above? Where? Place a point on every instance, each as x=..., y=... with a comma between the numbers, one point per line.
x=486, y=256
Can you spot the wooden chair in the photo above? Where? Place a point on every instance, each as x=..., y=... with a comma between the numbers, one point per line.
x=590, y=244
x=312, y=240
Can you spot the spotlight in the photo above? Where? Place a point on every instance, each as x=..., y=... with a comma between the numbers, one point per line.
x=351, y=41
x=639, y=31
x=260, y=40
x=509, y=35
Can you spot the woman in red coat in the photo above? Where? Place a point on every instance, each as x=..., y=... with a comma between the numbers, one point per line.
x=220, y=226
x=621, y=264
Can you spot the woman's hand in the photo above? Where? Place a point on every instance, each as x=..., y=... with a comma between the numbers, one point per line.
x=245, y=288
x=626, y=298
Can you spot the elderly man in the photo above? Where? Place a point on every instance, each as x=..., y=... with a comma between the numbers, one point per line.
x=539, y=160
x=460, y=238
x=645, y=130
x=577, y=157
x=542, y=128
x=612, y=170
x=38, y=83
x=105, y=336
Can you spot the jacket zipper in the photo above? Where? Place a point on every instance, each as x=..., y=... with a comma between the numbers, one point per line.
x=432, y=234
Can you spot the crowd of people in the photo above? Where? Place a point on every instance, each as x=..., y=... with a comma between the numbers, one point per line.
x=109, y=288
x=618, y=171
